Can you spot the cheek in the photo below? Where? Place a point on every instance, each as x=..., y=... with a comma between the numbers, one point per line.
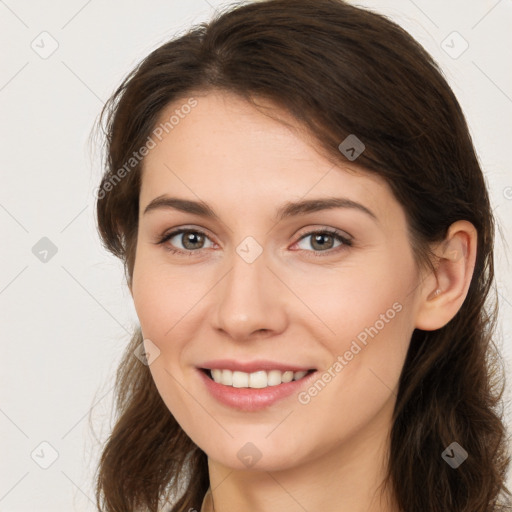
x=351, y=298
x=162, y=297
x=368, y=346
x=162, y=301
x=366, y=315
x=151, y=301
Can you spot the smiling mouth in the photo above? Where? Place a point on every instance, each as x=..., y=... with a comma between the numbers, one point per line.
x=255, y=380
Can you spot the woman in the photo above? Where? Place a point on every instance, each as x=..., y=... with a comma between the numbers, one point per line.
x=308, y=241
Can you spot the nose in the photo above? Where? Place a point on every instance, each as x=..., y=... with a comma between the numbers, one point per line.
x=250, y=300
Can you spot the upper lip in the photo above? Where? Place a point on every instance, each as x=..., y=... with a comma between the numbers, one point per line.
x=252, y=366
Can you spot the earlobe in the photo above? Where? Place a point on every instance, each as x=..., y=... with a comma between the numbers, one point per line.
x=444, y=291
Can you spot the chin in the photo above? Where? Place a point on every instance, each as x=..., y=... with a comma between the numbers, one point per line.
x=253, y=454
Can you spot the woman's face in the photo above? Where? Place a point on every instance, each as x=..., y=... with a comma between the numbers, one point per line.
x=250, y=283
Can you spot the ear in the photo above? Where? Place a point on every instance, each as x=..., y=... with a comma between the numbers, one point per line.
x=443, y=292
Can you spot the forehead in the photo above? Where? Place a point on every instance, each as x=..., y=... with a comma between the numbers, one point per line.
x=226, y=149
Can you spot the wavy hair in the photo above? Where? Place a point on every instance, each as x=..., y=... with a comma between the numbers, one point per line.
x=338, y=70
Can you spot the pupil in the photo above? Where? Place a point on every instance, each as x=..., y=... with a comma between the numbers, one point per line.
x=189, y=239
x=318, y=239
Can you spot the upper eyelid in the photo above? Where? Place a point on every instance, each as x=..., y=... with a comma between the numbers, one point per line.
x=179, y=231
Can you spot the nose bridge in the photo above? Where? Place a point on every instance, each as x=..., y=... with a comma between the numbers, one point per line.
x=248, y=297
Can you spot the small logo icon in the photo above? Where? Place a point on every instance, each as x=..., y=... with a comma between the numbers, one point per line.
x=249, y=454
x=352, y=147
x=454, y=45
x=44, y=250
x=146, y=352
x=454, y=455
x=45, y=45
x=44, y=455
x=249, y=249
x=457, y=254
x=456, y=250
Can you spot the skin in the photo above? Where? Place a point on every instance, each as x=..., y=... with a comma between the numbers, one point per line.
x=330, y=453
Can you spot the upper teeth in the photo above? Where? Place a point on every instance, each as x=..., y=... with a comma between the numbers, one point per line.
x=259, y=379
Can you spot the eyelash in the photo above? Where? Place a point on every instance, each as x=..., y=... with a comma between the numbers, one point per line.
x=346, y=242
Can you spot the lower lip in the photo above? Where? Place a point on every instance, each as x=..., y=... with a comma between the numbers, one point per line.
x=252, y=399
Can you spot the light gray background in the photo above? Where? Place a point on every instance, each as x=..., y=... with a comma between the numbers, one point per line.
x=65, y=321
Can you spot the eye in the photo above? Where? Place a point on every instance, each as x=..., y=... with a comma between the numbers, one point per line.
x=191, y=240
x=324, y=241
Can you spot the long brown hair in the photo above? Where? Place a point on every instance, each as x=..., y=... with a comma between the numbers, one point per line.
x=339, y=70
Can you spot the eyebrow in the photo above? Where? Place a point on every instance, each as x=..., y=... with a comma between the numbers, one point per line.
x=288, y=209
